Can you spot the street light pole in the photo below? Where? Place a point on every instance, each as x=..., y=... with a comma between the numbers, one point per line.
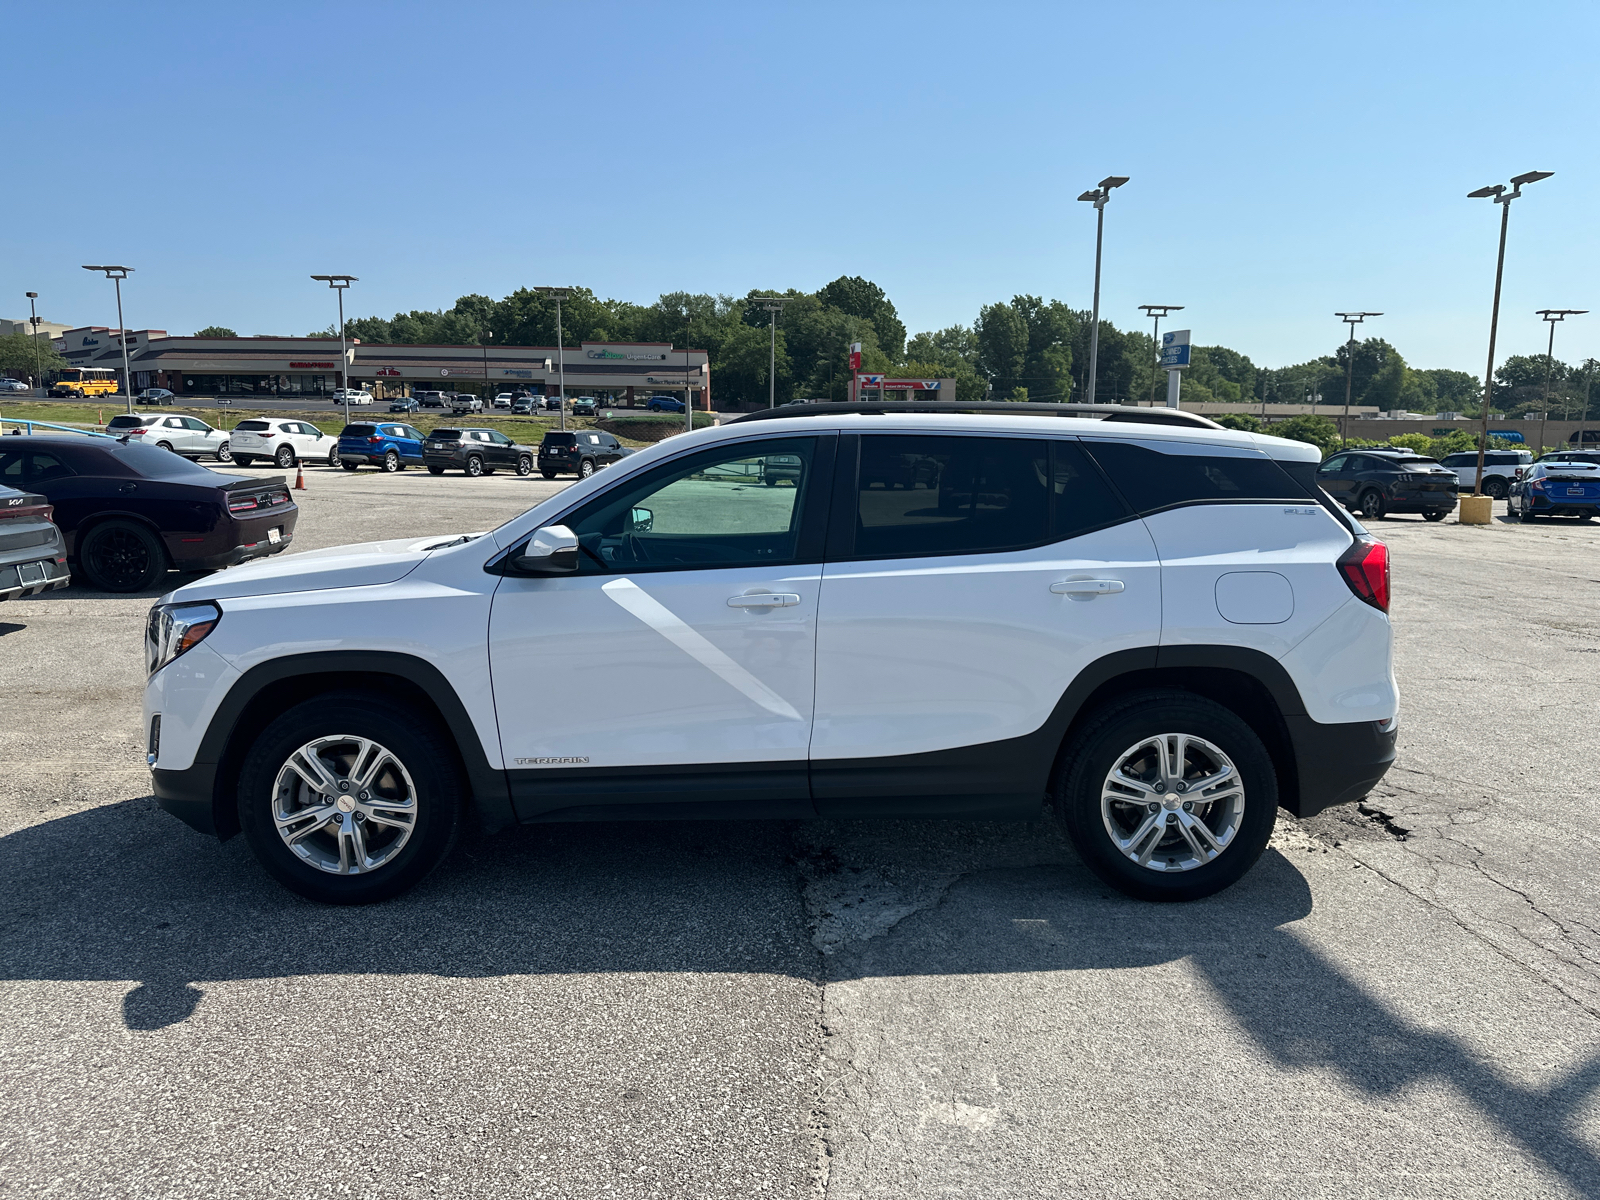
x=1351, y=319
x=774, y=305
x=1158, y=311
x=1551, y=315
x=117, y=275
x=488, y=336
x=1498, y=193
x=558, y=294
x=338, y=283
x=1098, y=197
x=33, y=320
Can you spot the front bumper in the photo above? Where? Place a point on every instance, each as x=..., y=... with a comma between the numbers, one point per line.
x=188, y=795
x=1337, y=763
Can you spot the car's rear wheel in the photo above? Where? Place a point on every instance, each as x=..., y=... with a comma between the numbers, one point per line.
x=349, y=798
x=1496, y=487
x=391, y=462
x=1168, y=796
x=224, y=453
x=1372, y=505
x=435, y=470
x=121, y=556
x=350, y=466
x=524, y=465
x=585, y=468
x=242, y=460
x=166, y=446
x=474, y=465
x=284, y=457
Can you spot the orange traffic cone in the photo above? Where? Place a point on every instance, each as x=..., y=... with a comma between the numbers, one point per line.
x=300, y=479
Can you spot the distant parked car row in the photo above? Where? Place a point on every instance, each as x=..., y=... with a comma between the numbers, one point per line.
x=13, y=385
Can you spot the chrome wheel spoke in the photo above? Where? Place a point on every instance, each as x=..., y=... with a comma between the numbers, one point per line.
x=1180, y=823
x=302, y=821
x=313, y=771
x=319, y=790
x=1199, y=836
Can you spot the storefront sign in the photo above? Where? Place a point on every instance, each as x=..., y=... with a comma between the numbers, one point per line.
x=516, y=373
x=311, y=366
x=627, y=355
x=913, y=385
x=386, y=371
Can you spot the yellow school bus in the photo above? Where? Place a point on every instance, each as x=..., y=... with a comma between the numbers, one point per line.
x=85, y=381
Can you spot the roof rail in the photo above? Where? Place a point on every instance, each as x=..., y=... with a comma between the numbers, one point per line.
x=1104, y=412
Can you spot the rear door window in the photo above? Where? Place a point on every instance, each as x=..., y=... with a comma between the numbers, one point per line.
x=1151, y=478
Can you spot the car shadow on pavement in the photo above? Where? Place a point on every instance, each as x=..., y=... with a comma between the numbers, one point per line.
x=173, y=911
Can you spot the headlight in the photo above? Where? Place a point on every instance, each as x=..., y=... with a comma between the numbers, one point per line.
x=174, y=628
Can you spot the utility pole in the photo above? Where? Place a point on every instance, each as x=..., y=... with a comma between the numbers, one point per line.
x=1157, y=311
x=1498, y=193
x=338, y=283
x=558, y=294
x=1351, y=319
x=488, y=335
x=774, y=305
x=1551, y=315
x=33, y=320
x=1098, y=197
x=117, y=275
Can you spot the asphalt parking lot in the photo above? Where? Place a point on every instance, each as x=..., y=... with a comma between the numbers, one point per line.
x=1400, y=1000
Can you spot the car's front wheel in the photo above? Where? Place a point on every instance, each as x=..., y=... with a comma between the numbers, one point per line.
x=524, y=465
x=348, y=798
x=1168, y=796
x=121, y=556
x=333, y=457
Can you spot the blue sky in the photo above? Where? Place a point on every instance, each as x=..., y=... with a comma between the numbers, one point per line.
x=1287, y=160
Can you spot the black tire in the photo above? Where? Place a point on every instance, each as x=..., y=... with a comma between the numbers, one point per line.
x=1434, y=514
x=242, y=460
x=349, y=466
x=474, y=465
x=524, y=466
x=166, y=446
x=548, y=474
x=586, y=468
x=122, y=556
x=416, y=742
x=333, y=457
x=1495, y=487
x=1372, y=505
x=435, y=470
x=1526, y=516
x=284, y=458
x=1098, y=746
x=224, y=453
x=391, y=462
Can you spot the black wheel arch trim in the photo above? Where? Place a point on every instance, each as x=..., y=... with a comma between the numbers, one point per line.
x=204, y=795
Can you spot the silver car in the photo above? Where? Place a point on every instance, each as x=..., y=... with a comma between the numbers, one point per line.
x=188, y=436
x=33, y=557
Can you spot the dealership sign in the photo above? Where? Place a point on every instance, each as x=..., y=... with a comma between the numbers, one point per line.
x=627, y=355
x=1175, y=349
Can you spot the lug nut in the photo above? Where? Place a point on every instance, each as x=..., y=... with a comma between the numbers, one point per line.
x=363, y=796
x=344, y=785
x=1172, y=818
x=1181, y=787
x=1154, y=807
x=1188, y=806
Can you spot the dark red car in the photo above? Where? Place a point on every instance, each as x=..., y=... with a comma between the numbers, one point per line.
x=130, y=513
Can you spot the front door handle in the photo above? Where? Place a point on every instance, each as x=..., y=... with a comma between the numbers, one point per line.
x=1087, y=587
x=764, y=600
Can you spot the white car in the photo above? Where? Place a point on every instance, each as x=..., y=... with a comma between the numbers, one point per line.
x=356, y=395
x=188, y=436
x=13, y=385
x=1499, y=469
x=1159, y=626
x=282, y=442
x=503, y=400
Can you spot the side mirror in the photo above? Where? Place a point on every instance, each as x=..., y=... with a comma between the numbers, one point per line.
x=552, y=550
x=641, y=520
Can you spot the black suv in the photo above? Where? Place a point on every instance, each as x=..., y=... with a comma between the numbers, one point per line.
x=1377, y=482
x=475, y=451
x=429, y=399
x=582, y=452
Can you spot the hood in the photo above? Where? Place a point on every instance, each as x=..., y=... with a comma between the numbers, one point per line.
x=364, y=565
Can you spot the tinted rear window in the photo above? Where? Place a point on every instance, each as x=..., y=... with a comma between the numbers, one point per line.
x=358, y=431
x=446, y=435
x=252, y=426
x=559, y=439
x=126, y=421
x=1150, y=480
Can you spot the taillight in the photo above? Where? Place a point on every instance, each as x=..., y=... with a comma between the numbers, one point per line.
x=1365, y=567
x=244, y=504
x=135, y=433
x=373, y=441
x=1537, y=485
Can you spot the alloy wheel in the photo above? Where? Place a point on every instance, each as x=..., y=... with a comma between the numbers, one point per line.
x=344, y=804
x=1172, y=802
x=118, y=558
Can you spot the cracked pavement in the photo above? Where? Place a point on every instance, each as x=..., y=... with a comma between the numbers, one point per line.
x=1401, y=999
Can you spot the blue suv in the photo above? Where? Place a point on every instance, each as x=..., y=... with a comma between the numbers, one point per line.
x=665, y=404
x=390, y=445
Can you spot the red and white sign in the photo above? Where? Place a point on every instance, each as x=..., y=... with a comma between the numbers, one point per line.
x=855, y=356
x=387, y=371
x=911, y=385
x=309, y=366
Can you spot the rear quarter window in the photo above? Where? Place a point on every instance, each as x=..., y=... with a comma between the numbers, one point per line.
x=1151, y=480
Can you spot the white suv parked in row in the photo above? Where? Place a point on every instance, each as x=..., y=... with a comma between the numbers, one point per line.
x=283, y=442
x=1166, y=630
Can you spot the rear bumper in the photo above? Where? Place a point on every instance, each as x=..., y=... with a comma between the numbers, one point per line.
x=1336, y=764
x=56, y=576
x=235, y=555
x=1410, y=501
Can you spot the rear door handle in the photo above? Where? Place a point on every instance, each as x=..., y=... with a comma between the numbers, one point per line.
x=1087, y=587
x=764, y=600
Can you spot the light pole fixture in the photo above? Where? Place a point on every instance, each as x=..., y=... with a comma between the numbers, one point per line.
x=33, y=320
x=1498, y=193
x=338, y=283
x=117, y=275
x=774, y=305
x=558, y=294
x=1552, y=315
x=1098, y=197
x=1158, y=311
x=1351, y=319
x=488, y=336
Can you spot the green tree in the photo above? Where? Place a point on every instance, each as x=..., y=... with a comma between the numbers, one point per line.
x=1319, y=431
x=858, y=297
x=19, y=353
x=215, y=331
x=1242, y=421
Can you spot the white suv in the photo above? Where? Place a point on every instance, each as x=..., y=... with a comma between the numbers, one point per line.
x=284, y=443
x=1163, y=629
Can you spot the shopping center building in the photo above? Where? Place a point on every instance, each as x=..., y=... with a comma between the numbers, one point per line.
x=287, y=367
